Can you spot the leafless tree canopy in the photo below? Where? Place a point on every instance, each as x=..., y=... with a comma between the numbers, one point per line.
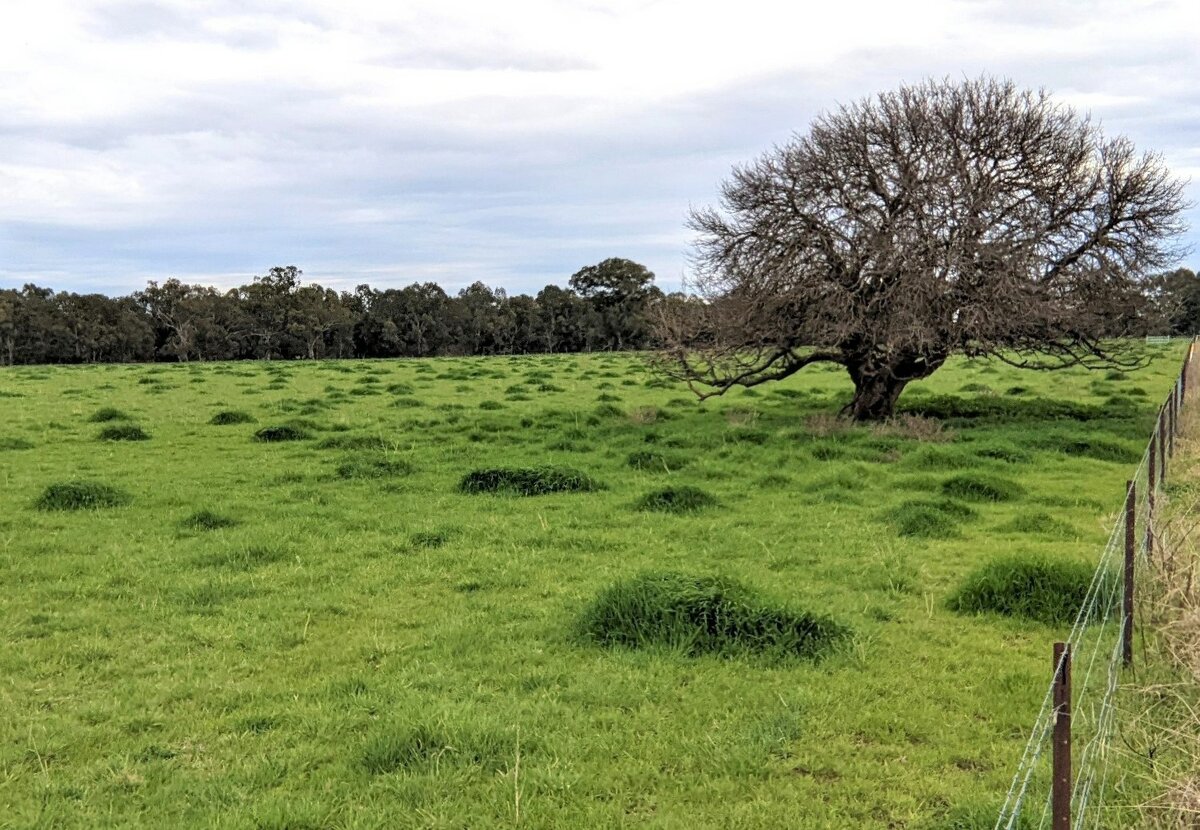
x=950, y=217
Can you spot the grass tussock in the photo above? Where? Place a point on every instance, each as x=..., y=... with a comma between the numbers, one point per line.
x=283, y=432
x=657, y=462
x=1027, y=586
x=81, y=495
x=207, y=520
x=978, y=487
x=699, y=615
x=420, y=746
x=228, y=417
x=929, y=519
x=682, y=499
x=123, y=432
x=107, y=414
x=14, y=443
x=527, y=481
x=373, y=466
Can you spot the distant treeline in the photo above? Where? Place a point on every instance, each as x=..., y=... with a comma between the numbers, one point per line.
x=608, y=306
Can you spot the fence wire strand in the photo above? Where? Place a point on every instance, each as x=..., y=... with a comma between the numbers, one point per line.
x=1095, y=643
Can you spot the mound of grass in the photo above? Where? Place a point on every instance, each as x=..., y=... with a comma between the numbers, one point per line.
x=682, y=499
x=283, y=432
x=976, y=487
x=106, y=414
x=207, y=520
x=424, y=745
x=929, y=519
x=527, y=481
x=655, y=461
x=702, y=615
x=227, y=417
x=373, y=467
x=1041, y=523
x=13, y=443
x=1007, y=453
x=1100, y=449
x=1031, y=587
x=429, y=539
x=352, y=442
x=123, y=432
x=81, y=495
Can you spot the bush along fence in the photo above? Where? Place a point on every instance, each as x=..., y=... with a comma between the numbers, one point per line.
x=1062, y=774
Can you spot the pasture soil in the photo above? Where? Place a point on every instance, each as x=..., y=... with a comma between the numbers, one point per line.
x=328, y=631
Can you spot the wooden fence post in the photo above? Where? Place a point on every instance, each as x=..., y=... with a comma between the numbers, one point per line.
x=1151, y=488
x=1061, y=786
x=1127, y=619
x=1162, y=442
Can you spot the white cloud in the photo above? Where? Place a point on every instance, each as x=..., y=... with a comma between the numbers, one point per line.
x=509, y=142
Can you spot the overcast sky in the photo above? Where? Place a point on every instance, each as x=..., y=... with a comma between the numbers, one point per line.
x=511, y=142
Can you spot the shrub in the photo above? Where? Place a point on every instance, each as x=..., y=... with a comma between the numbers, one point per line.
x=106, y=414
x=682, y=499
x=1032, y=587
x=702, y=615
x=81, y=495
x=227, y=417
x=928, y=519
x=982, y=488
x=284, y=432
x=527, y=481
x=421, y=745
x=373, y=467
x=123, y=432
x=207, y=520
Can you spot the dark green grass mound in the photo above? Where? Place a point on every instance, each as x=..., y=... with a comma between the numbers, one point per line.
x=1030, y=587
x=702, y=615
x=284, y=432
x=924, y=519
x=228, y=417
x=369, y=466
x=207, y=520
x=81, y=495
x=970, y=487
x=423, y=746
x=1040, y=523
x=123, y=432
x=106, y=414
x=657, y=462
x=527, y=481
x=15, y=444
x=682, y=499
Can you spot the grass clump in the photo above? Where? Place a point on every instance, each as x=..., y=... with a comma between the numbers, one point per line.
x=1040, y=523
x=81, y=495
x=1101, y=449
x=284, y=432
x=422, y=745
x=527, y=481
x=1030, y=587
x=106, y=414
x=929, y=519
x=228, y=417
x=682, y=499
x=207, y=520
x=971, y=487
x=702, y=615
x=12, y=443
x=373, y=467
x=654, y=461
x=123, y=432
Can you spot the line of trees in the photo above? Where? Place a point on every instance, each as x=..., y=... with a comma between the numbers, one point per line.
x=607, y=306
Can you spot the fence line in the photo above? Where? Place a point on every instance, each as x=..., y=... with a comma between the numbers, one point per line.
x=1098, y=646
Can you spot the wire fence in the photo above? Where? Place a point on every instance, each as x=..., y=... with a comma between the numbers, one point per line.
x=1064, y=786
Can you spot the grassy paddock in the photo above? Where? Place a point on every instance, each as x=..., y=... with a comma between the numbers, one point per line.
x=351, y=594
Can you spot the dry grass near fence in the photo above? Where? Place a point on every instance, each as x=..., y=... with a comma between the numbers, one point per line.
x=1164, y=728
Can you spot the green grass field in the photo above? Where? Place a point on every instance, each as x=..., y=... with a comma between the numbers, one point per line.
x=330, y=632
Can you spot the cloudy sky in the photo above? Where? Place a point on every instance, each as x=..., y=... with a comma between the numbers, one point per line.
x=511, y=142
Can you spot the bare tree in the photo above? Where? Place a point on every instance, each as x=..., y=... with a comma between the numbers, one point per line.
x=948, y=217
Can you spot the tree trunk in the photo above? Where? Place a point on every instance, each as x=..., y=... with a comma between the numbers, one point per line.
x=878, y=383
x=875, y=396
